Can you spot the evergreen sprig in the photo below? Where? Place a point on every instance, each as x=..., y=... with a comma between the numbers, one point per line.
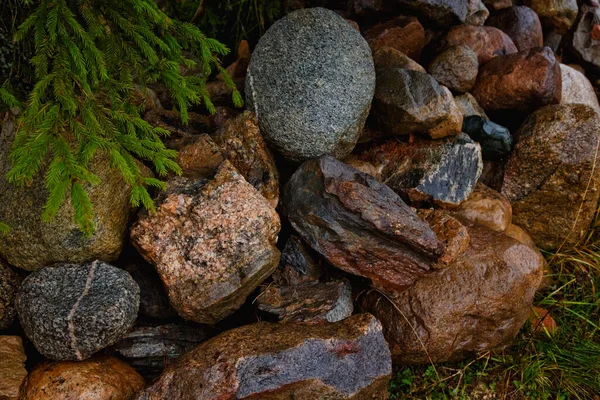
x=91, y=59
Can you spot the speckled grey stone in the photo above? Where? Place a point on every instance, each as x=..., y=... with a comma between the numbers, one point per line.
x=310, y=81
x=72, y=311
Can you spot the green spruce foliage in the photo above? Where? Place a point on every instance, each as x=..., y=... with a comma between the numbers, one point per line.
x=91, y=59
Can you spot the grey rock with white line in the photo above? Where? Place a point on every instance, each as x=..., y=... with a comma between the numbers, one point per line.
x=72, y=311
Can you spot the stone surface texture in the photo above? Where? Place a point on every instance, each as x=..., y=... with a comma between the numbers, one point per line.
x=486, y=41
x=477, y=13
x=486, y=207
x=10, y=282
x=12, y=367
x=154, y=302
x=495, y=140
x=308, y=302
x=358, y=224
x=524, y=81
x=439, y=171
x=456, y=68
x=33, y=244
x=551, y=178
x=450, y=231
x=98, y=378
x=557, y=15
x=211, y=241
x=476, y=304
x=405, y=34
x=441, y=12
x=346, y=360
x=243, y=145
x=149, y=349
x=310, y=83
x=576, y=88
x=584, y=44
x=413, y=102
x=72, y=311
x=390, y=58
x=522, y=24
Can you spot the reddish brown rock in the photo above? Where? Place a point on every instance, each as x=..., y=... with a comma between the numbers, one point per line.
x=521, y=24
x=497, y=4
x=486, y=207
x=576, y=88
x=583, y=43
x=308, y=302
x=212, y=242
x=557, y=15
x=476, y=304
x=243, y=145
x=486, y=41
x=524, y=81
x=456, y=68
x=428, y=171
x=389, y=57
x=345, y=360
x=10, y=282
x=405, y=34
x=12, y=367
x=551, y=178
x=358, y=224
x=97, y=378
x=408, y=102
x=200, y=158
x=449, y=231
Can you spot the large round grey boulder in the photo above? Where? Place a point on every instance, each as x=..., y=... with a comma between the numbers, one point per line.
x=310, y=81
x=72, y=311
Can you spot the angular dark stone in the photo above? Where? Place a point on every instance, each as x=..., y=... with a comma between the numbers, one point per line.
x=154, y=302
x=308, y=302
x=439, y=171
x=150, y=349
x=298, y=263
x=358, y=224
x=344, y=360
x=495, y=140
x=72, y=311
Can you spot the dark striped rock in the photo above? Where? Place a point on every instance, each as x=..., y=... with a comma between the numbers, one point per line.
x=72, y=311
x=308, y=302
x=552, y=177
x=344, y=360
x=211, y=241
x=154, y=302
x=477, y=304
x=149, y=349
x=438, y=171
x=310, y=83
x=358, y=224
x=298, y=264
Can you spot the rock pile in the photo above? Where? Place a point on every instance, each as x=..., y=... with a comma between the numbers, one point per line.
x=381, y=201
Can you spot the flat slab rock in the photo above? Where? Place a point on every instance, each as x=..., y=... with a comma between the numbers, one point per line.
x=149, y=349
x=72, y=311
x=438, y=171
x=97, y=378
x=310, y=82
x=345, y=360
x=12, y=367
x=211, y=241
x=551, y=178
x=478, y=303
x=309, y=302
x=358, y=224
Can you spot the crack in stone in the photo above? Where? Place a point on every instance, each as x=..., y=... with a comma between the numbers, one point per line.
x=86, y=289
